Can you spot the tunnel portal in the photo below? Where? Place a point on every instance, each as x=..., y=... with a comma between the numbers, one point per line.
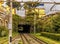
x=24, y=28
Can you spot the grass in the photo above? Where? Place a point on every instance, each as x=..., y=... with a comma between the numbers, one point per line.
x=2, y=39
x=20, y=42
x=47, y=40
x=14, y=34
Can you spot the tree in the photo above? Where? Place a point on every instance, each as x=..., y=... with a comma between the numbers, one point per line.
x=56, y=22
x=32, y=4
x=14, y=4
x=16, y=20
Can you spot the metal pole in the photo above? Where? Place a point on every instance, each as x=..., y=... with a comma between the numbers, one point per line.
x=34, y=24
x=10, y=24
x=34, y=21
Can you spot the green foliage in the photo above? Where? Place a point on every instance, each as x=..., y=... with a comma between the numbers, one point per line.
x=16, y=20
x=56, y=22
x=45, y=39
x=3, y=31
x=32, y=4
x=29, y=20
x=51, y=35
x=14, y=4
x=50, y=23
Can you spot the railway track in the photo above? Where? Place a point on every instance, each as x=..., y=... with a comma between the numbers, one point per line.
x=38, y=40
x=30, y=39
x=26, y=39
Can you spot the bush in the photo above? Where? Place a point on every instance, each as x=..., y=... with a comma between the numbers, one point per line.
x=3, y=31
x=51, y=35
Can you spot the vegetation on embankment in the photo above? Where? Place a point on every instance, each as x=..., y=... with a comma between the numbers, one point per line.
x=16, y=20
x=45, y=39
x=3, y=31
x=49, y=26
x=51, y=35
x=49, y=23
x=5, y=39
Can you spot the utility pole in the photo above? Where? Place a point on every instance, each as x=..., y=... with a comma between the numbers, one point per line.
x=34, y=23
x=10, y=23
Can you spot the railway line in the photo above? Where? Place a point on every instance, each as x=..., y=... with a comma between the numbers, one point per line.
x=38, y=40
x=30, y=39
x=26, y=39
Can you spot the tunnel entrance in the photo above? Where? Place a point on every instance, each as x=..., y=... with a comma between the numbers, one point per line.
x=24, y=28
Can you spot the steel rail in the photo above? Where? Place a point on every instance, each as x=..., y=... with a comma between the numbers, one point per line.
x=38, y=40
x=25, y=39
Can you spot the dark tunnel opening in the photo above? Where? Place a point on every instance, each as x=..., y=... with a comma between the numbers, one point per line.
x=24, y=28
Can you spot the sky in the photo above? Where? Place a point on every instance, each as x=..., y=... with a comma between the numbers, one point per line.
x=40, y=0
x=46, y=6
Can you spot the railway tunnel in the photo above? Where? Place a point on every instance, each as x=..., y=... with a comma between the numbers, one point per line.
x=24, y=28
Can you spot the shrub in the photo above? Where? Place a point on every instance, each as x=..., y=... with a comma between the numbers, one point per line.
x=3, y=31
x=51, y=35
